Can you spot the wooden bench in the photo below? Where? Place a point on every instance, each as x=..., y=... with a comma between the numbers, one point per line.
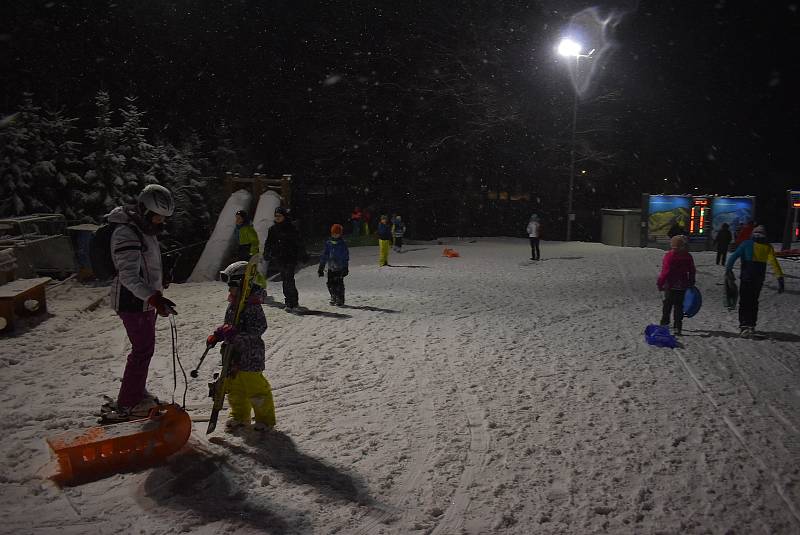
x=13, y=296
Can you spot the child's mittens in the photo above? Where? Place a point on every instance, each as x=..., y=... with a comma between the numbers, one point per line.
x=225, y=333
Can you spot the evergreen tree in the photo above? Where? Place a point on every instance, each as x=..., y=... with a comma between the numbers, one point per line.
x=59, y=183
x=175, y=170
x=224, y=156
x=15, y=176
x=105, y=165
x=38, y=162
x=139, y=154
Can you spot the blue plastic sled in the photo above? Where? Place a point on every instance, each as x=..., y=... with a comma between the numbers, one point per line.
x=692, y=301
x=659, y=335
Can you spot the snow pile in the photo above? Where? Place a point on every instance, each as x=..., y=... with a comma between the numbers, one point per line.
x=479, y=394
x=222, y=240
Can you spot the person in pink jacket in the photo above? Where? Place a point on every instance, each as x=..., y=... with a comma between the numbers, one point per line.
x=677, y=274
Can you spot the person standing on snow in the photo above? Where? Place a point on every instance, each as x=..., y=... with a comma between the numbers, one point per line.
x=676, y=230
x=355, y=220
x=677, y=274
x=248, y=390
x=534, y=231
x=336, y=256
x=754, y=254
x=284, y=248
x=246, y=237
x=744, y=233
x=723, y=241
x=398, y=231
x=384, y=240
x=136, y=290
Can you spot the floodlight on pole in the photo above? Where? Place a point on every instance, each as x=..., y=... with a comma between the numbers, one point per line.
x=569, y=48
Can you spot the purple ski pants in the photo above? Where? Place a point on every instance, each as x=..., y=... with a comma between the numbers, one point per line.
x=141, y=329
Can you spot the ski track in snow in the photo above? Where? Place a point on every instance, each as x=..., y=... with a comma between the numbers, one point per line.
x=478, y=394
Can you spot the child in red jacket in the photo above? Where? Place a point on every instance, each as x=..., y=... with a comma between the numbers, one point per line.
x=677, y=274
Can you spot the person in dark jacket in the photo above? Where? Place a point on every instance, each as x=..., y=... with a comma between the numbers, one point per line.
x=283, y=249
x=355, y=219
x=384, y=240
x=676, y=229
x=337, y=257
x=723, y=241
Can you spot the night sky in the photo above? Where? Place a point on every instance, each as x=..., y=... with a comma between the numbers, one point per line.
x=435, y=97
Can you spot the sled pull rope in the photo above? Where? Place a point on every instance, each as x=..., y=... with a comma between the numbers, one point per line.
x=173, y=328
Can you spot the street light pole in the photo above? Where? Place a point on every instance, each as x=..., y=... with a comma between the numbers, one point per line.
x=568, y=48
x=570, y=215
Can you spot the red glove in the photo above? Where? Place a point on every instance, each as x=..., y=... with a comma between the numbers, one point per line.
x=226, y=333
x=163, y=306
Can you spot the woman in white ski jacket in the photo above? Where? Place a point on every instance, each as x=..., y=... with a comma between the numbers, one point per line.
x=534, y=230
x=136, y=289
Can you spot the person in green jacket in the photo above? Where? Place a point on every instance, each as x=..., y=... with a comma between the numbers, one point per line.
x=246, y=237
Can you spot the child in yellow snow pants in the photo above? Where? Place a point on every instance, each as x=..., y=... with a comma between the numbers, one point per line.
x=384, y=240
x=250, y=391
x=247, y=388
x=384, y=252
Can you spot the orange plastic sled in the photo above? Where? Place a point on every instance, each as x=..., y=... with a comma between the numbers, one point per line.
x=97, y=452
x=450, y=253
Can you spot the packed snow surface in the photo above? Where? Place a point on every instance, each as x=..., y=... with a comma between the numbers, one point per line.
x=480, y=394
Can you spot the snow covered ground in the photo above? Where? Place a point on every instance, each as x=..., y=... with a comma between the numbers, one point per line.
x=479, y=394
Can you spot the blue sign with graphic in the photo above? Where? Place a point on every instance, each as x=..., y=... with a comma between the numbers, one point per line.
x=735, y=211
x=665, y=211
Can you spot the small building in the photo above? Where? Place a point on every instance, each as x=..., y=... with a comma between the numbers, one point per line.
x=621, y=227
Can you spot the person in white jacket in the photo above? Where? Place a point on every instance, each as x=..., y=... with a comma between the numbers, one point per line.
x=136, y=291
x=534, y=228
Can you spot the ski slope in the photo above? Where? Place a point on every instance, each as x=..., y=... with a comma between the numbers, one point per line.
x=480, y=394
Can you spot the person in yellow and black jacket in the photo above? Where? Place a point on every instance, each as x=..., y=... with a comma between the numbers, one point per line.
x=754, y=254
x=246, y=237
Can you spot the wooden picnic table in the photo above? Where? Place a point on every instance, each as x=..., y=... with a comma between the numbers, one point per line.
x=14, y=295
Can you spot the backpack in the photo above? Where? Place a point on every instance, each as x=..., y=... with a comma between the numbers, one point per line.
x=100, y=250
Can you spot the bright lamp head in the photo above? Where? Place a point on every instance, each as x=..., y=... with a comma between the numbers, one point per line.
x=568, y=47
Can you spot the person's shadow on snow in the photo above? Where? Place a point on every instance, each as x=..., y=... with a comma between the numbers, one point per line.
x=370, y=308
x=769, y=335
x=200, y=481
x=406, y=266
x=278, y=451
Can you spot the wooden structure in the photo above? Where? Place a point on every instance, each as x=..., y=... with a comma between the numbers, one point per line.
x=258, y=184
x=13, y=298
x=41, y=244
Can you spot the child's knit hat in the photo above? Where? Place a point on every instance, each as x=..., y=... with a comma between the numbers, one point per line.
x=678, y=242
x=336, y=228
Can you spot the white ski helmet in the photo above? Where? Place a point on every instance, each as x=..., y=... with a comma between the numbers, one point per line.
x=157, y=199
x=234, y=272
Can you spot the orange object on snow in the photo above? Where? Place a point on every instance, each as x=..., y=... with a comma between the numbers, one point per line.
x=97, y=452
x=450, y=253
